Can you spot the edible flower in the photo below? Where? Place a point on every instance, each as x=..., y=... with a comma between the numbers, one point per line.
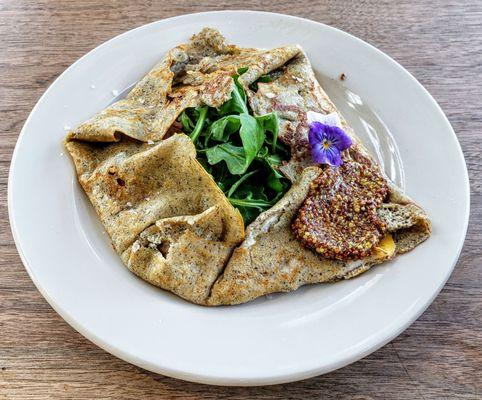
x=327, y=138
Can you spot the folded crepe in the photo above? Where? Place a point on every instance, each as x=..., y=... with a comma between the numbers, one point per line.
x=173, y=226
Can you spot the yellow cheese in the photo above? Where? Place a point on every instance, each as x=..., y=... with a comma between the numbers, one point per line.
x=385, y=248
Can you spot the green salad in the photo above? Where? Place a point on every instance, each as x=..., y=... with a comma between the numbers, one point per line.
x=240, y=150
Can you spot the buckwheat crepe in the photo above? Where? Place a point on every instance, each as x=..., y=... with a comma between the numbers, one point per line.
x=166, y=217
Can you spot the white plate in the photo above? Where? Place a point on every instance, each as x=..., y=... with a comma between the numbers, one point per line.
x=285, y=338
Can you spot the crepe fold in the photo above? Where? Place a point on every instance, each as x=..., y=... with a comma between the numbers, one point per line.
x=189, y=75
x=168, y=220
x=166, y=217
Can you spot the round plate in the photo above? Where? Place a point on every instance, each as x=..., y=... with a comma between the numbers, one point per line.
x=278, y=339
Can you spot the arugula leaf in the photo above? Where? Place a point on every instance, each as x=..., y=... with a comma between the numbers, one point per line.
x=233, y=156
x=271, y=159
x=187, y=124
x=237, y=102
x=239, y=182
x=275, y=179
x=222, y=128
x=199, y=124
x=265, y=79
x=249, y=202
x=249, y=207
x=252, y=136
x=262, y=78
x=270, y=123
x=248, y=188
x=249, y=214
x=242, y=70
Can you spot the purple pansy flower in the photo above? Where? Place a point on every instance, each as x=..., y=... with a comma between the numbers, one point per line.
x=327, y=142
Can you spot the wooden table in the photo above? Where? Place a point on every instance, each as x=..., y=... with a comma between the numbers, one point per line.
x=439, y=356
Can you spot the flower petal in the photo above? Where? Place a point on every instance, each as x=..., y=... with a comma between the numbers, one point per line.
x=333, y=157
x=318, y=154
x=338, y=138
x=331, y=119
x=316, y=133
x=330, y=156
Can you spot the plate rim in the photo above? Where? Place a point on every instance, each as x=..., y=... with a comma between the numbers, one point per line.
x=207, y=378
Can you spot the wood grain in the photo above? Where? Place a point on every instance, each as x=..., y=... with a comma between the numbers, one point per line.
x=438, y=357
